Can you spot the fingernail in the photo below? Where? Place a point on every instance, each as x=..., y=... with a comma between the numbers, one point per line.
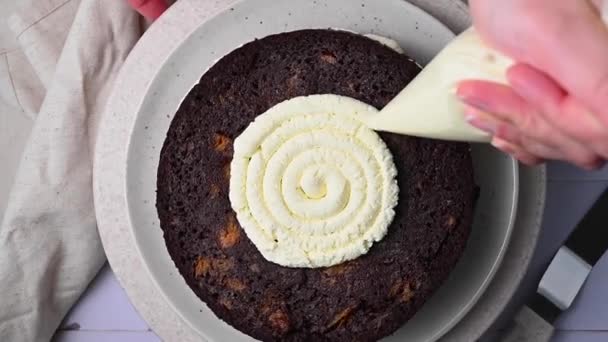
x=479, y=123
x=474, y=102
x=507, y=147
x=502, y=145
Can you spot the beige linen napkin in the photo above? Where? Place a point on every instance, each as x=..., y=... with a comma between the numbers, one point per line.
x=70, y=52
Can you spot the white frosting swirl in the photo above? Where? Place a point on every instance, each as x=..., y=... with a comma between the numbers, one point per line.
x=310, y=184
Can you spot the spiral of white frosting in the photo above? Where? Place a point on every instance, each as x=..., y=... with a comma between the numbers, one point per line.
x=310, y=184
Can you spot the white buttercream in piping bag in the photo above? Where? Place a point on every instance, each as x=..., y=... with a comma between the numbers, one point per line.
x=428, y=106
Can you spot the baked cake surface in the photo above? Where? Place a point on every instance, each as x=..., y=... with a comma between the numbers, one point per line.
x=361, y=300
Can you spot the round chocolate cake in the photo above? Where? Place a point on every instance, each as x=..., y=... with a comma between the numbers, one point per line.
x=360, y=300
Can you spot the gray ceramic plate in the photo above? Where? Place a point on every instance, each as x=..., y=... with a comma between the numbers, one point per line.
x=418, y=33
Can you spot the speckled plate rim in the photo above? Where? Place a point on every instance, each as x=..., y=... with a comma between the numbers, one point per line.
x=111, y=204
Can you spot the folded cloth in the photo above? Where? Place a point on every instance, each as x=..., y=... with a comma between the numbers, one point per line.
x=49, y=246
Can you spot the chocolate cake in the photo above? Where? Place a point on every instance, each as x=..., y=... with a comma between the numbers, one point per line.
x=360, y=300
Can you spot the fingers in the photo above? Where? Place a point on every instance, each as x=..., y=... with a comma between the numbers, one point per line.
x=516, y=151
x=585, y=126
x=535, y=87
x=566, y=39
x=510, y=139
x=563, y=108
x=150, y=9
x=517, y=126
x=492, y=97
x=506, y=109
x=597, y=4
x=564, y=112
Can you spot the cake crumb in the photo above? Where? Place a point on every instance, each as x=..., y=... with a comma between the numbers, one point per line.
x=235, y=284
x=328, y=57
x=214, y=190
x=230, y=235
x=225, y=302
x=209, y=266
x=221, y=142
x=332, y=273
x=226, y=171
x=338, y=270
x=222, y=265
x=451, y=222
x=403, y=291
x=279, y=321
x=201, y=267
x=342, y=317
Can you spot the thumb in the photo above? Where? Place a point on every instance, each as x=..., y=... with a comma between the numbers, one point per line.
x=150, y=9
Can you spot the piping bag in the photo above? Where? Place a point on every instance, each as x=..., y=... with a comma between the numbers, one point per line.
x=428, y=106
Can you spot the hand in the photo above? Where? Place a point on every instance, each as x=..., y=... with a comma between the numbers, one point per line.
x=556, y=106
x=150, y=9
